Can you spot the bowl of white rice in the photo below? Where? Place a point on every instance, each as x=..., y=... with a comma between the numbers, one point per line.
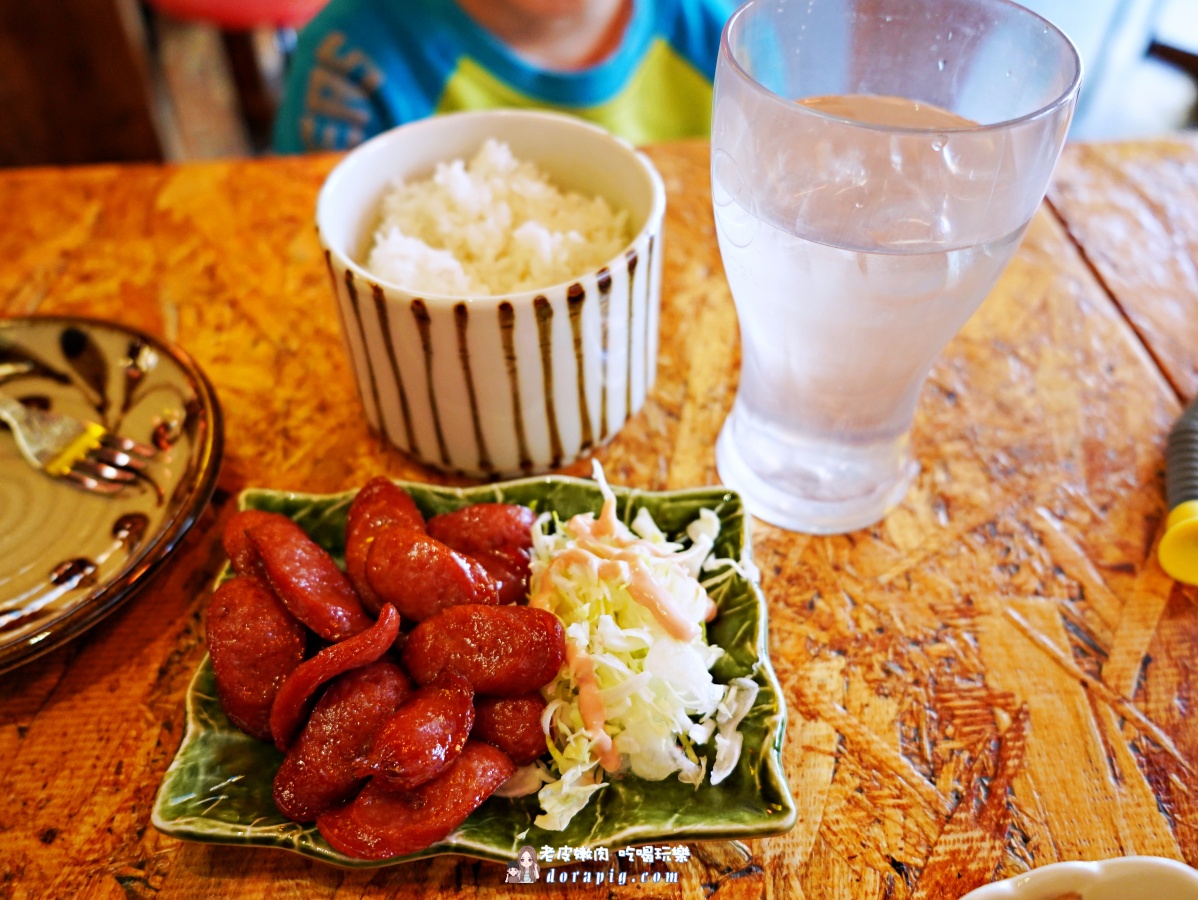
x=498, y=276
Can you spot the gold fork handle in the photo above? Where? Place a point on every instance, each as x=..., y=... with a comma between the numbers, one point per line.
x=17, y=416
x=50, y=442
x=9, y=408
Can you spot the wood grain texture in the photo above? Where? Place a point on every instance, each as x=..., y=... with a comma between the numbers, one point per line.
x=75, y=84
x=995, y=677
x=1133, y=209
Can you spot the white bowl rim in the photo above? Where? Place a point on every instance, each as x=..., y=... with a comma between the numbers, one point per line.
x=1078, y=875
x=655, y=215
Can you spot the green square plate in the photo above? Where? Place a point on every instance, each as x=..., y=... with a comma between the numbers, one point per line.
x=218, y=788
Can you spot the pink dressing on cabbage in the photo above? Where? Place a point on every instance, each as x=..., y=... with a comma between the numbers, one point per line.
x=636, y=695
x=590, y=704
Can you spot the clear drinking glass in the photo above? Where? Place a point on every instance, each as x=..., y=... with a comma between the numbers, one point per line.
x=874, y=166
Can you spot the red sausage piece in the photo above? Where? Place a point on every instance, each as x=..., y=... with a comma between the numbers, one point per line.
x=308, y=581
x=508, y=568
x=498, y=535
x=381, y=822
x=236, y=540
x=380, y=504
x=255, y=644
x=319, y=770
x=362, y=649
x=485, y=526
x=420, y=576
x=502, y=650
x=513, y=724
x=425, y=735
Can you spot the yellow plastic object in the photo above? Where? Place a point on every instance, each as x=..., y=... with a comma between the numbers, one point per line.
x=86, y=441
x=1178, y=551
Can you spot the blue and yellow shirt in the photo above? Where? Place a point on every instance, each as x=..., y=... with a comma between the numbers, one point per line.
x=363, y=66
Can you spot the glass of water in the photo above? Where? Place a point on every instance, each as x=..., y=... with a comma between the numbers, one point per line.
x=875, y=164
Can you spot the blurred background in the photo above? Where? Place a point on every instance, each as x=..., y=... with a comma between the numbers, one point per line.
x=86, y=81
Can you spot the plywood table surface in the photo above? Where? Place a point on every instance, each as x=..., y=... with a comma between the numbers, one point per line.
x=994, y=678
x=1133, y=210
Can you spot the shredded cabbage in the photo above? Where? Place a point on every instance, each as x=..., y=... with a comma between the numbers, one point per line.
x=636, y=694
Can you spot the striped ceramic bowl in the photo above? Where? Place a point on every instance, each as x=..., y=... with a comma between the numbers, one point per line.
x=493, y=386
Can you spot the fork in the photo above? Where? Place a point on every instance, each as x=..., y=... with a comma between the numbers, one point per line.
x=85, y=453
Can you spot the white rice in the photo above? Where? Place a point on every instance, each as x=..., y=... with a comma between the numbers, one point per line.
x=495, y=225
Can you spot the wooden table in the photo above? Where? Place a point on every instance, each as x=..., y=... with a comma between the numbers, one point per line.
x=996, y=677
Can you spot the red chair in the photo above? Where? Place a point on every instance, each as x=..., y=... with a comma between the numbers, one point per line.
x=238, y=21
x=243, y=14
